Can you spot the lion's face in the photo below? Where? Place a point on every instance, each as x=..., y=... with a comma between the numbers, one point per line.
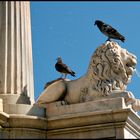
x=129, y=61
x=111, y=67
x=122, y=63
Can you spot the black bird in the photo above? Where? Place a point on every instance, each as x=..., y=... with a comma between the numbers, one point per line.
x=109, y=31
x=63, y=68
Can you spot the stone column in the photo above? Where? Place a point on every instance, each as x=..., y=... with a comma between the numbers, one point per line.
x=16, y=66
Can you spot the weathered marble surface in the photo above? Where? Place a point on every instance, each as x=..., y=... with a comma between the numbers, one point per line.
x=112, y=123
x=57, y=109
x=110, y=70
x=74, y=121
x=16, y=66
x=18, y=126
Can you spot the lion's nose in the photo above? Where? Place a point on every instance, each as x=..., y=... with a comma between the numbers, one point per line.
x=131, y=62
x=134, y=62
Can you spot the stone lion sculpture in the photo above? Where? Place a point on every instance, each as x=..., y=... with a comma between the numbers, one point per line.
x=110, y=70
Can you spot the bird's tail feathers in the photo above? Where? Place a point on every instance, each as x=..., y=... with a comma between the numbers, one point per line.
x=122, y=38
x=73, y=73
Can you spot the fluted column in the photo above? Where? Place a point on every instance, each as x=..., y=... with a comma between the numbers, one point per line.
x=16, y=66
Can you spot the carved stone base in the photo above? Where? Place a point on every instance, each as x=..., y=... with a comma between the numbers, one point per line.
x=118, y=124
x=109, y=118
x=24, y=109
x=57, y=109
x=16, y=126
x=15, y=99
x=22, y=121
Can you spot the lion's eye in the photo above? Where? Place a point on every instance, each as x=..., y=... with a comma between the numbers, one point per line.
x=127, y=65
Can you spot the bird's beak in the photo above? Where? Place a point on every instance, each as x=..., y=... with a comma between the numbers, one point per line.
x=94, y=24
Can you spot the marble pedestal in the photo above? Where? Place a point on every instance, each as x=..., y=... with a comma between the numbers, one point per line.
x=19, y=121
x=108, y=118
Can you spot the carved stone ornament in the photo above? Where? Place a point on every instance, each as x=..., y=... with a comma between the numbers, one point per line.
x=110, y=70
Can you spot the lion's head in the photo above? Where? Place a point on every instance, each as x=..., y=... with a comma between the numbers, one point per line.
x=111, y=67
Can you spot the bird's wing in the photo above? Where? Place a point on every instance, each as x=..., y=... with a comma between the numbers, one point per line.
x=68, y=69
x=64, y=68
x=108, y=28
x=111, y=31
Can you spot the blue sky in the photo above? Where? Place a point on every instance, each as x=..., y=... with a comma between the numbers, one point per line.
x=67, y=29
